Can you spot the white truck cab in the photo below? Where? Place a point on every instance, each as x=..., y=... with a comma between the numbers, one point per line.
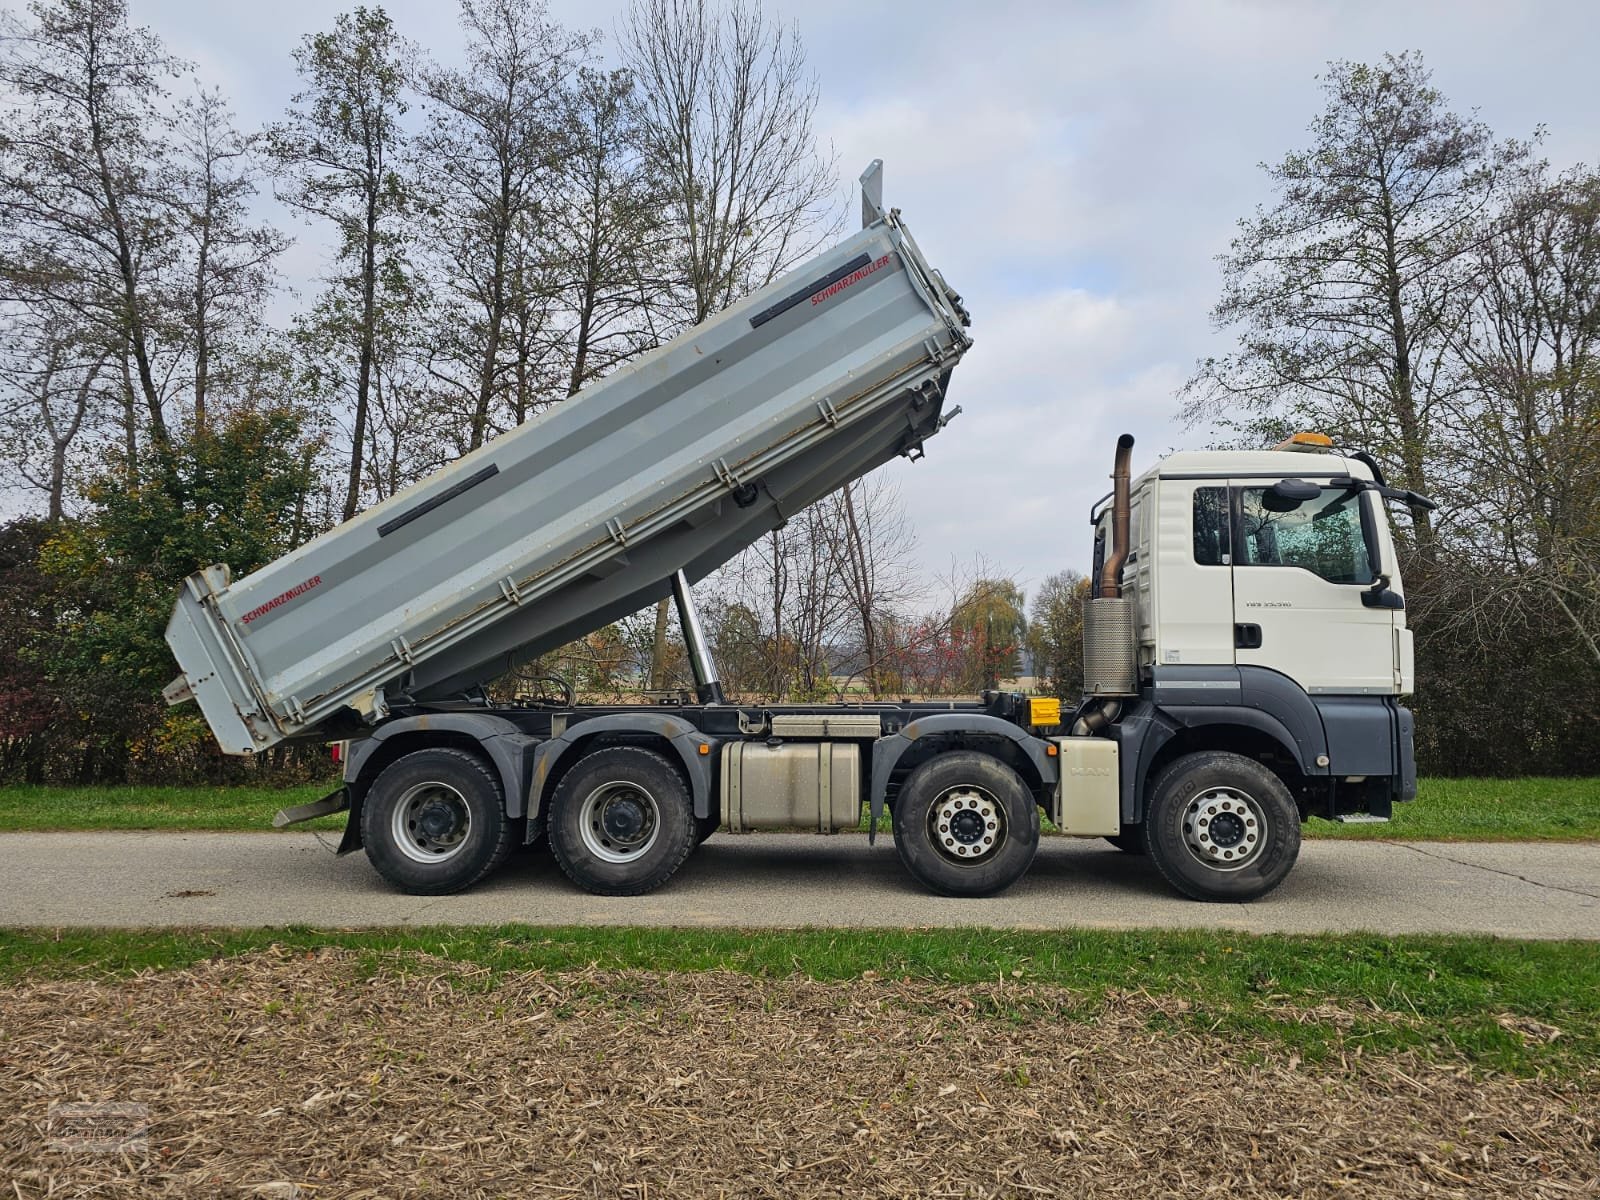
x=1246, y=638
x=1228, y=570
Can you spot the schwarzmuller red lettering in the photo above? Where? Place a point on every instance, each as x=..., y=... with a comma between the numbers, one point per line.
x=299, y=589
x=853, y=277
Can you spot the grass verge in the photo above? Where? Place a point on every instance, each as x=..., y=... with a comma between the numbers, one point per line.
x=1487, y=810
x=213, y=808
x=1519, y=1007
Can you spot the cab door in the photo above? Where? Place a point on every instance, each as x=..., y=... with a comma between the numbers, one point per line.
x=1300, y=568
x=1194, y=603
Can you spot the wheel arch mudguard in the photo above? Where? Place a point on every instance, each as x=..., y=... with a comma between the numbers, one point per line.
x=1204, y=716
x=507, y=748
x=685, y=740
x=888, y=751
x=1295, y=728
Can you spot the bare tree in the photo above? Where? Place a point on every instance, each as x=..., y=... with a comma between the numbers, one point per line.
x=52, y=382
x=86, y=221
x=1526, y=425
x=536, y=371
x=231, y=263
x=493, y=142
x=1347, y=291
x=727, y=109
x=338, y=153
x=873, y=548
x=606, y=229
x=792, y=577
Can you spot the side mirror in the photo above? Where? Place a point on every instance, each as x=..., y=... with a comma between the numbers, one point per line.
x=1297, y=490
x=1381, y=595
x=1289, y=494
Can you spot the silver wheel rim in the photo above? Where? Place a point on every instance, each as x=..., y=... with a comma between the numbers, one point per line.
x=431, y=823
x=967, y=825
x=1224, y=828
x=619, y=822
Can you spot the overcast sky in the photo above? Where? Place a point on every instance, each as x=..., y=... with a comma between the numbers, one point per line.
x=1072, y=168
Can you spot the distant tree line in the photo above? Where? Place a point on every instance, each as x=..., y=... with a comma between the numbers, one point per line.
x=1430, y=293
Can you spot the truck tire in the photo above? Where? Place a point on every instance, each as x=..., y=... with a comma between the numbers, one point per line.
x=434, y=822
x=1220, y=826
x=1130, y=840
x=622, y=822
x=965, y=824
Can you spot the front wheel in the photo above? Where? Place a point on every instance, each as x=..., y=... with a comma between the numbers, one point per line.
x=965, y=824
x=434, y=822
x=1220, y=826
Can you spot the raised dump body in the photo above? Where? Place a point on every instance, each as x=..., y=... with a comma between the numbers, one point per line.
x=675, y=462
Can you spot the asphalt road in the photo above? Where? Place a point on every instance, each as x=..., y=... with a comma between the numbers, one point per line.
x=156, y=879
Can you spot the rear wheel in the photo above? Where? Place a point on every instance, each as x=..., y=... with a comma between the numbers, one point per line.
x=434, y=822
x=622, y=822
x=1221, y=827
x=965, y=824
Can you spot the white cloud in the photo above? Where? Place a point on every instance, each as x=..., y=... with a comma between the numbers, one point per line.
x=1050, y=383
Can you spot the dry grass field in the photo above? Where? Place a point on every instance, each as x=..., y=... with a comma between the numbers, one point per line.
x=296, y=1071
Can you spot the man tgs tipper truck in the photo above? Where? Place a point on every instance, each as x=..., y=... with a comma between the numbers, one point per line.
x=1245, y=641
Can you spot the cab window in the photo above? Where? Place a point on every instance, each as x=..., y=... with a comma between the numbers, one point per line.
x=1211, y=533
x=1323, y=535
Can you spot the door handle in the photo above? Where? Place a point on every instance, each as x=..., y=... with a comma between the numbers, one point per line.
x=1247, y=637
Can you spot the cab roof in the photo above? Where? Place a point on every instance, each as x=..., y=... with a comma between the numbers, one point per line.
x=1282, y=464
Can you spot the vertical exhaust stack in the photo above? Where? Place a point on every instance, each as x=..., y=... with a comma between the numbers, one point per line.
x=1121, y=506
x=1110, y=619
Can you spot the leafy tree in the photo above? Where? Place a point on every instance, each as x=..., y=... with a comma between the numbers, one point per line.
x=739, y=647
x=989, y=628
x=1055, y=633
x=29, y=706
x=242, y=485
